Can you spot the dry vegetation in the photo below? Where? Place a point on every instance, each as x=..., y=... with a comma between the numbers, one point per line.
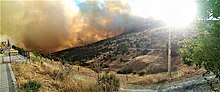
x=183, y=71
x=143, y=52
x=55, y=77
x=126, y=51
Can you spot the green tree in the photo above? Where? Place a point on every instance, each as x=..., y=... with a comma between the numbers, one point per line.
x=204, y=49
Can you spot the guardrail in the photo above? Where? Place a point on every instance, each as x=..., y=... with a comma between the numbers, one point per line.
x=14, y=84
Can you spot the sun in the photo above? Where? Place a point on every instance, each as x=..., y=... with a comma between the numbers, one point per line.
x=173, y=12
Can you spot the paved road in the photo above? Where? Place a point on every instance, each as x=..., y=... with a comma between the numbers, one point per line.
x=7, y=79
x=17, y=58
x=194, y=84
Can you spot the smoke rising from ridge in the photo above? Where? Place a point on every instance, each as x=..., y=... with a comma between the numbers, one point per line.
x=50, y=26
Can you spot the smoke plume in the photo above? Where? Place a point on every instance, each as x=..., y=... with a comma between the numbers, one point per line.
x=49, y=26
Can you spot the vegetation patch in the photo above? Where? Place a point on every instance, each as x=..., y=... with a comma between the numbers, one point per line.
x=32, y=86
x=109, y=83
x=141, y=73
x=125, y=71
x=52, y=76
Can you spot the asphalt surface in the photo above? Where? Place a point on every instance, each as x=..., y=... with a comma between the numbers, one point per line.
x=194, y=84
x=7, y=79
x=17, y=58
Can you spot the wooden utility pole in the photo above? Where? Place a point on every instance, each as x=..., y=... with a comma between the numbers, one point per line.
x=169, y=54
x=9, y=47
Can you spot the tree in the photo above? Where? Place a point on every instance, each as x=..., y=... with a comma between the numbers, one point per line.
x=204, y=49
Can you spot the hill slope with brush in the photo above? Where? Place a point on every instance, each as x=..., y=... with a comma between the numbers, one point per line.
x=143, y=50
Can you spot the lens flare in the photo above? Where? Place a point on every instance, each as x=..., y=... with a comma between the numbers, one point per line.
x=176, y=13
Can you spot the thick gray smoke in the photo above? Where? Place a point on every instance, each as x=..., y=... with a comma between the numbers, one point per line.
x=48, y=26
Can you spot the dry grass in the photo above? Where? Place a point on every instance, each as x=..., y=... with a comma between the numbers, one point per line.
x=55, y=77
x=182, y=72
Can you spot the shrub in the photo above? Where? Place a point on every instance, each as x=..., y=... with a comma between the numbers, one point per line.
x=188, y=62
x=138, y=44
x=145, y=52
x=125, y=71
x=141, y=73
x=123, y=60
x=109, y=83
x=83, y=63
x=57, y=74
x=123, y=48
x=32, y=86
x=105, y=66
x=113, y=59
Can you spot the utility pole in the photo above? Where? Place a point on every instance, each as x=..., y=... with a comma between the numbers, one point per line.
x=9, y=47
x=169, y=53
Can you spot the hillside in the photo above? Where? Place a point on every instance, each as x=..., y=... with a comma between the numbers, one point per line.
x=140, y=55
x=142, y=50
x=53, y=76
x=57, y=77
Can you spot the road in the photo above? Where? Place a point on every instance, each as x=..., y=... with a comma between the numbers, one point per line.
x=7, y=79
x=194, y=84
x=17, y=58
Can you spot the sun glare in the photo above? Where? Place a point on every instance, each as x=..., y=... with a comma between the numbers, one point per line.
x=176, y=13
x=71, y=7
